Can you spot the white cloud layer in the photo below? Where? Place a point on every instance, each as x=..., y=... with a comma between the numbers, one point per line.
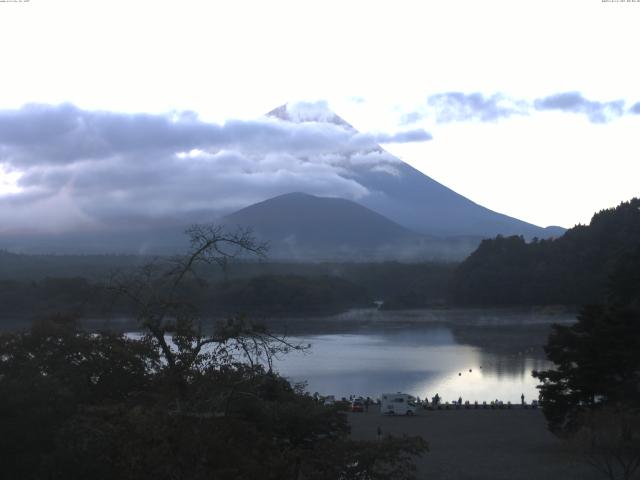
x=73, y=169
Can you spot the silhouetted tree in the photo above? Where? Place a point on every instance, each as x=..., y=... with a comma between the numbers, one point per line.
x=596, y=364
x=592, y=395
x=180, y=402
x=163, y=308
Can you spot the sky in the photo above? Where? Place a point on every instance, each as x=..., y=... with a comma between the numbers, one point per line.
x=528, y=108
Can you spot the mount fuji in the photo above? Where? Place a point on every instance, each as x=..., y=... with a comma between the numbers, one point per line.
x=412, y=199
x=153, y=176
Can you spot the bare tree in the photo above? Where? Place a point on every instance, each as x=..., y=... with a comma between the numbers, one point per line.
x=167, y=314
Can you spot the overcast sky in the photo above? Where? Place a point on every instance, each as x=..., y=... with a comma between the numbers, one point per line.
x=530, y=108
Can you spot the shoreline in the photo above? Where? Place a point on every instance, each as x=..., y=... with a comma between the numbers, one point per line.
x=353, y=319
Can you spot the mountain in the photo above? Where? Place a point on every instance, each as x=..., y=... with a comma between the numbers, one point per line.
x=416, y=201
x=298, y=225
x=408, y=214
x=301, y=218
x=420, y=203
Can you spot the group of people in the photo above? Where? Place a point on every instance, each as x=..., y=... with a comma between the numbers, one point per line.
x=435, y=401
x=366, y=402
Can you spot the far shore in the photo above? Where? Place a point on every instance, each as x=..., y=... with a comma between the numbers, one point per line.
x=325, y=322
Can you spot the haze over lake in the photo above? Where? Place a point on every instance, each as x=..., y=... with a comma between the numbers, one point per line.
x=477, y=354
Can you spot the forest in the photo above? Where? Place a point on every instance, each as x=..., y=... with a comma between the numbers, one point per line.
x=35, y=285
x=570, y=270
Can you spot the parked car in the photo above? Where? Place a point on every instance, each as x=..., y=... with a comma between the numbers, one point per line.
x=357, y=406
x=397, y=404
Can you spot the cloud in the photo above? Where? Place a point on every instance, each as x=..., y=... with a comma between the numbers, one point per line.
x=43, y=134
x=464, y=107
x=106, y=169
x=574, y=102
x=411, y=117
x=408, y=136
x=310, y=112
x=458, y=106
x=375, y=157
x=388, y=169
x=319, y=112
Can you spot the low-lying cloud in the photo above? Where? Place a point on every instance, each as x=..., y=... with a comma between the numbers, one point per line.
x=96, y=169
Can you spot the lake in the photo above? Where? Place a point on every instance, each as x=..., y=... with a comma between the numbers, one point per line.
x=478, y=354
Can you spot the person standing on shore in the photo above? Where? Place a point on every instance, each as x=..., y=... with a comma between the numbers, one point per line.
x=522, y=399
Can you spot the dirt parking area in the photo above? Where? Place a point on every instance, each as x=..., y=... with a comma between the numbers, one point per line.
x=480, y=444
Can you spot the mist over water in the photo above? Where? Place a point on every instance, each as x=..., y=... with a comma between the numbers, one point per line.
x=479, y=355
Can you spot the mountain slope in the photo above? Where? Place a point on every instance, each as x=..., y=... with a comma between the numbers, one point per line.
x=305, y=222
x=416, y=201
x=305, y=226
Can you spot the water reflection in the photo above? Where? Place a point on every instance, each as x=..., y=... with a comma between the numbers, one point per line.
x=483, y=358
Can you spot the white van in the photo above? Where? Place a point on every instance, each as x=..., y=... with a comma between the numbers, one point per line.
x=397, y=404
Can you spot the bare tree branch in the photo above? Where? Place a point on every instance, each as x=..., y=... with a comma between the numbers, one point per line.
x=154, y=291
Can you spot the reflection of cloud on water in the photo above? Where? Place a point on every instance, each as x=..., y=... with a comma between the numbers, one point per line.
x=511, y=366
x=511, y=350
x=370, y=353
x=425, y=357
x=419, y=363
x=478, y=387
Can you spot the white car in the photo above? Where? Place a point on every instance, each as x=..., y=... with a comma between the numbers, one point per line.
x=397, y=404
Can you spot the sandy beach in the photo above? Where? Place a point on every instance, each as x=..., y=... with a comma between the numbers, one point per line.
x=480, y=444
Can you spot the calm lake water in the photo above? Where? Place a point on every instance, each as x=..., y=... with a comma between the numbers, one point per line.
x=477, y=354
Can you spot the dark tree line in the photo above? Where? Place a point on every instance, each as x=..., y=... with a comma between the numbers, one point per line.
x=73, y=295
x=261, y=295
x=76, y=405
x=251, y=287
x=570, y=270
x=282, y=294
